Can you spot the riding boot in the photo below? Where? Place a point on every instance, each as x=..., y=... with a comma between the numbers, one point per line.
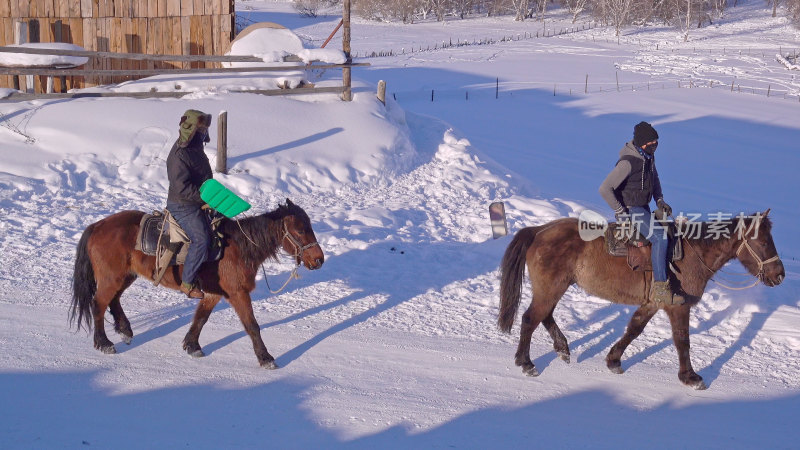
x=191, y=290
x=660, y=292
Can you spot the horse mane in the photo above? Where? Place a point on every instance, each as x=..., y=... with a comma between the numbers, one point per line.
x=711, y=230
x=259, y=238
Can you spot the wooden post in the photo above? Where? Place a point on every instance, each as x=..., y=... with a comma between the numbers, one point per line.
x=20, y=37
x=58, y=37
x=347, y=94
x=33, y=37
x=222, y=142
x=586, y=86
x=333, y=33
x=617, y=74
x=382, y=91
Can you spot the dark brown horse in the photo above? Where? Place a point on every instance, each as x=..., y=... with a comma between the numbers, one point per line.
x=557, y=257
x=106, y=264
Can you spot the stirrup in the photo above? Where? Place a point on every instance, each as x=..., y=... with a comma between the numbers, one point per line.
x=191, y=290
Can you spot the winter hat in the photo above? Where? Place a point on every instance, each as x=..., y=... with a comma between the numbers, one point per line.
x=643, y=133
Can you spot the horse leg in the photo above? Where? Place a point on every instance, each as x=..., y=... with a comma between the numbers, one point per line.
x=121, y=323
x=101, y=301
x=560, y=344
x=679, y=319
x=243, y=306
x=540, y=308
x=635, y=327
x=191, y=342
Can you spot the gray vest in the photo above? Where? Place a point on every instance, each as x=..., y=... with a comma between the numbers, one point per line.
x=637, y=189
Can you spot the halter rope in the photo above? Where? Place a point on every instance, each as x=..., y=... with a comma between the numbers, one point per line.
x=298, y=247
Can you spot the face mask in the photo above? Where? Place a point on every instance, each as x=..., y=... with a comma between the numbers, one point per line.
x=202, y=135
x=650, y=149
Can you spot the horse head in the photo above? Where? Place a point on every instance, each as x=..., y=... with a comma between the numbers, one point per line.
x=757, y=251
x=299, y=239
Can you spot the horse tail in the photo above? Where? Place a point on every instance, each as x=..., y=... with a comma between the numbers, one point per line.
x=84, y=285
x=512, y=272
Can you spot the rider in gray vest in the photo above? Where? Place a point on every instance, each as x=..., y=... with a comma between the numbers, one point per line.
x=628, y=189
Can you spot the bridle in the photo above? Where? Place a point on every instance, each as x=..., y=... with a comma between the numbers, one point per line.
x=744, y=245
x=298, y=247
x=298, y=252
x=761, y=263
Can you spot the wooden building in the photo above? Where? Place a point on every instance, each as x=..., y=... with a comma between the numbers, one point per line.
x=155, y=27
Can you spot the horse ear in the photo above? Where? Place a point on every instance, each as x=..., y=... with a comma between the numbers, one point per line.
x=766, y=213
x=289, y=203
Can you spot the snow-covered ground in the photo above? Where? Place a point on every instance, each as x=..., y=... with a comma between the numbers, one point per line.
x=393, y=343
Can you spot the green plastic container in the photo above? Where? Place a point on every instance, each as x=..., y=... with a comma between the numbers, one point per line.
x=222, y=199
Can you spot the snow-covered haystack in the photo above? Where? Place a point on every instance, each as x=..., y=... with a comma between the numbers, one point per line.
x=273, y=44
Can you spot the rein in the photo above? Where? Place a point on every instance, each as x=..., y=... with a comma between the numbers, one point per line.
x=298, y=247
x=743, y=245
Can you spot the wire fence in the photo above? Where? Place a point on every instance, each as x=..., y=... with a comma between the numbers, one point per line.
x=565, y=89
x=458, y=42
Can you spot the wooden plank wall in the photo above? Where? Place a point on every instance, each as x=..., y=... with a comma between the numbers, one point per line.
x=156, y=27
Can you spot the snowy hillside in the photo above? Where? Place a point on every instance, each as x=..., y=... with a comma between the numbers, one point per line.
x=393, y=342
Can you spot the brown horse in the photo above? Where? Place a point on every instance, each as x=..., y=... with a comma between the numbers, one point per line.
x=557, y=257
x=107, y=263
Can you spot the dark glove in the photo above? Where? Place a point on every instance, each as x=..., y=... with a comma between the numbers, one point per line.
x=664, y=207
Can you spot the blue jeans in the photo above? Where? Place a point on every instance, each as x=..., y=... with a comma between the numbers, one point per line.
x=194, y=222
x=644, y=221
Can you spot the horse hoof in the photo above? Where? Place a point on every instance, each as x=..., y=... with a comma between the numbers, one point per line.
x=530, y=370
x=698, y=385
x=271, y=365
x=108, y=350
x=616, y=368
x=197, y=353
x=564, y=357
x=127, y=339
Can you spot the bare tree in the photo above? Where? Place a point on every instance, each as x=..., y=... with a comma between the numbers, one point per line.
x=576, y=7
x=309, y=8
x=793, y=10
x=463, y=8
x=521, y=8
x=615, y=12
x=683, y=13
x=774, y=4
x=439, y=8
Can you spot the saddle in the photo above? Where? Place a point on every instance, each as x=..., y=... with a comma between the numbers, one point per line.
x=622, y=242
x=161, y=236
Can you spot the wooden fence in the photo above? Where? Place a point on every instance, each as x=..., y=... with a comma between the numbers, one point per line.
x=154, y=27
x=55, y=73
